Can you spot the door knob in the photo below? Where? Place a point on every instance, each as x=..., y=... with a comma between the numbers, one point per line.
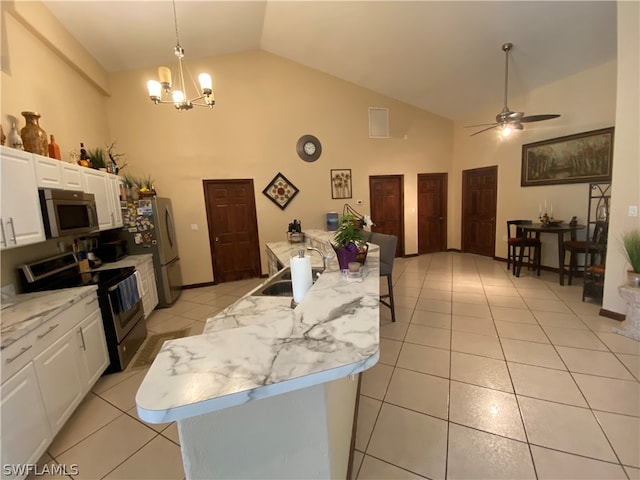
x=217, y=239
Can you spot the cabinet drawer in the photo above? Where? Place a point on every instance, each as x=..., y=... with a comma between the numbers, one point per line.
x=16, y=356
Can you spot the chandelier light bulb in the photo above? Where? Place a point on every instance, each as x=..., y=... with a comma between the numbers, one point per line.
x=205, y=83
x=178, y=97
x=155, y=90
x=164, y=75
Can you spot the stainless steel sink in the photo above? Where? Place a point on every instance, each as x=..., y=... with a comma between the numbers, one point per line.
x=280, y=284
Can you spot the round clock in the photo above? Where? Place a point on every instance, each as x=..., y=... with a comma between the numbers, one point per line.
x=309, y=148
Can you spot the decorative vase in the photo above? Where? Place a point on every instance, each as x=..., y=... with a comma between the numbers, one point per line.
x=14, y=138
x=634, y=278
x=34, y=138
x=346, y=254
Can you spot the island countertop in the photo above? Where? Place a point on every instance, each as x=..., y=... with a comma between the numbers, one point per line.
x=259, y=347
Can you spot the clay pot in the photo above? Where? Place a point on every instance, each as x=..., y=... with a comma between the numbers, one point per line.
x=34, y=138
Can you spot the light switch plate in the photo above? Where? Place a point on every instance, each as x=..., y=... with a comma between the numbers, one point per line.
x=194, y=226
x=633, y=210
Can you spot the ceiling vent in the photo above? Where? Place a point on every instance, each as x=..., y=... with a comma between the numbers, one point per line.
x=378, y=122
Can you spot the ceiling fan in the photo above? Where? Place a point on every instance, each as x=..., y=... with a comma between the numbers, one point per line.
x=507, y=120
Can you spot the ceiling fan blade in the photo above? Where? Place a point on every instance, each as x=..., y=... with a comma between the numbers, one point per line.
x=484, y=130
x=481, y=125
x=538, y=118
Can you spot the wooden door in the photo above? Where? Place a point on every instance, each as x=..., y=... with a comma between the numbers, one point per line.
x=479, y=199
x=233, y=229
x=432, y=212
x=387, y=206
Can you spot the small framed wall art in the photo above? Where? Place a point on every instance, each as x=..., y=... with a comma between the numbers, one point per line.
x=280, y=191
x=341, y=183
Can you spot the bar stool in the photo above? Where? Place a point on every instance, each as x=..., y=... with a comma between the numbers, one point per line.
x=517, y=238
x=575, y=247
x=387, y=244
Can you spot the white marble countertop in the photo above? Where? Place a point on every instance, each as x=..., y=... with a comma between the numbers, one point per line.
x=24, y=313
x=259, y=347
x=128, y=261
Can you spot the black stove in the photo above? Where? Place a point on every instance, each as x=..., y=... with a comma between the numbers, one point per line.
x=120, y=304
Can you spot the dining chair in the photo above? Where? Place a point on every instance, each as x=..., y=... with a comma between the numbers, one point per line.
x=595, y=247
x=517, y=238
x=387, y=244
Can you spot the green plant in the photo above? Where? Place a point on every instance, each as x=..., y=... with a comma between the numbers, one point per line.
x=97, y=157
x=129, y=181
x=631, y=244
x=349, y=231
x=145, y=184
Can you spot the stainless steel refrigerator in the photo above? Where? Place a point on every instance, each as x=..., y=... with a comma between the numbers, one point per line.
x=149, y=228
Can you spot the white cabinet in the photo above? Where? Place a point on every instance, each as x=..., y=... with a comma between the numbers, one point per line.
x=114, y=195
x=149, y=291
x=94, y=354
x=25, y=430
x=48, y=172
x=20, y=215
x=72, y=178
x=106, y=188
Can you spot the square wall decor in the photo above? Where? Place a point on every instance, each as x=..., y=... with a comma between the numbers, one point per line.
x=280, y=191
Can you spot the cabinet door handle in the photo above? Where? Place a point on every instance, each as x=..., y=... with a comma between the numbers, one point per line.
x=42, y=335
x=84, y=345
x=24, y=349
x=13, y=230
x=4, y=237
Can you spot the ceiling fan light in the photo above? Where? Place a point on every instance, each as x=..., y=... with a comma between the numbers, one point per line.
x=506, y=131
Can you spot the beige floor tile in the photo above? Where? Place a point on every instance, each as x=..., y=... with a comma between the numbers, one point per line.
x=512, y=314
x=434, y=361
x=389, y=351
x=356, y=462
x=402, y=314
x=440, y=306
x=484, y=345
x=158, y=427
x=376, y=380
x=405, y=291
x=107, y=448
x=546, y=384
x=431, y=319
x=610, y=394
x=479, y=455
x=521, y=331
x=531, y=353
x=201, y=312
x=123, y=395
x=467, y=297
x=486, y=409
x=564, y=427
x=553, y=465
x=632, y=362
x=368, y=410
x=562, y=320
x=474, y=288
x=534, y=282
x=584, y=308
x=599, y=324
x=537, y=305
x=107, y=381
x=624, y=434
x=171, y=432
x=506, y=301
x=634, y=473
x=418, y=391
x=471, y=310
x=404, y=302
x=374, y=469
x=410, y=440
x=436, y=283
x=498, y=281
x=394, y=330
x=619, y=343
x=159, y=459
x=435, y=294
x=594, y=363
x=493, y=290
x=571, y=337
x=91, y=415
x=168, y=324
x=482, y=371
x=482, y=326
x=537, y=294
x=429, y=336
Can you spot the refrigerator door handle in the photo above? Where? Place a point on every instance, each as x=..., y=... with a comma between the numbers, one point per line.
x=169, y=226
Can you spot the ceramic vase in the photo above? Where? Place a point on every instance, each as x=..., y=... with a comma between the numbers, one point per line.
x=633, y=278
x=34, y=138
x=14, y=140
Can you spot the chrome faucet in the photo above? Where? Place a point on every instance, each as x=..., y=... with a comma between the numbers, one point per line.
x=324, y=258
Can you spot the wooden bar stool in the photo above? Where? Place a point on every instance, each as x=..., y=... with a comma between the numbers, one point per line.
x=516, y=239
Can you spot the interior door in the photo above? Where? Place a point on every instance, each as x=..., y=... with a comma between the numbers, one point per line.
x=233, y=229
x=479, y=201
x=432, y=212
x=387, y=206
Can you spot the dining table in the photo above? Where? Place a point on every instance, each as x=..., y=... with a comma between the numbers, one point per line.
x=559, y=229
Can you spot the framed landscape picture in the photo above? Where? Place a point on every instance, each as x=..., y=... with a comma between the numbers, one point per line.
x=580, y=158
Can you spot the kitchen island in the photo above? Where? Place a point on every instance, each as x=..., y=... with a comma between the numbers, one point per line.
x=268, y=391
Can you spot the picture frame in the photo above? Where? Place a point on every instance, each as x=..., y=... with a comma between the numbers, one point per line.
x=280, y=191
x=341, y=183
x=580, y=158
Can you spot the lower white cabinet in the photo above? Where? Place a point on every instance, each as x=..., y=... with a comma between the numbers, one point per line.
x=52, y=369
x=25, y=429
x=149, y=292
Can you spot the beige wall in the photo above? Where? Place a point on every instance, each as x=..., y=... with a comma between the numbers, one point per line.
x=264, y=103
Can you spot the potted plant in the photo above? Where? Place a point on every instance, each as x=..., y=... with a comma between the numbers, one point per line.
x=631, y=244
x=97, y=158
x=145, y=186
x=348, y=240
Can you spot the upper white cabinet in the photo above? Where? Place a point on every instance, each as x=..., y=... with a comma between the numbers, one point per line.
x=48, y=172
x=72, y=178
x=20, y=215
x=114, y=195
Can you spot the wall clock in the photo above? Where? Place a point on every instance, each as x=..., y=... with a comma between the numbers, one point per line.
x=309, y=148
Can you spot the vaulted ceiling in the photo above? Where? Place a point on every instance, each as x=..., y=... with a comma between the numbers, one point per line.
x=441, y=56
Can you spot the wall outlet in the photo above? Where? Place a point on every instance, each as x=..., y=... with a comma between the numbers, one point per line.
x=194, y=226
x=633, y=210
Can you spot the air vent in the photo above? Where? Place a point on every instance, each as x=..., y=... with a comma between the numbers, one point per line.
x=378, y=122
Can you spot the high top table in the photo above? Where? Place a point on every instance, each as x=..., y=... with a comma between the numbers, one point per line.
x=559, y=230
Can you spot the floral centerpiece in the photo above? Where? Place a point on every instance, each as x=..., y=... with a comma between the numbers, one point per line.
x=350, y=240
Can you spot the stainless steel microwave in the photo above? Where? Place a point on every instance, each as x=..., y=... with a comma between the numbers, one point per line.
x=67, y=212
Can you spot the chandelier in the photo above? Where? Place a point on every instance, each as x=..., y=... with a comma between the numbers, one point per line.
x=179, y=97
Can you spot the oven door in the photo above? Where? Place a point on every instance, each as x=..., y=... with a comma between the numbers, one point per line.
x=123, y=320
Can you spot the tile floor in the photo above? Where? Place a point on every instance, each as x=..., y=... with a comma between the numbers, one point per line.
x=483, y=376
